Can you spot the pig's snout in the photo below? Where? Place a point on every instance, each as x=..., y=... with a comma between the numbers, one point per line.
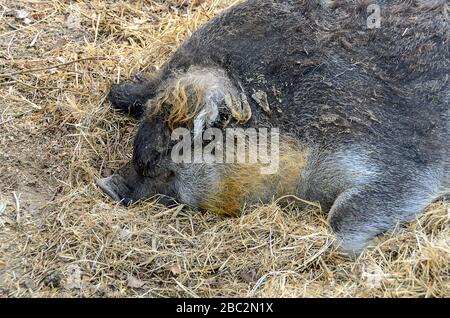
x=114, y=187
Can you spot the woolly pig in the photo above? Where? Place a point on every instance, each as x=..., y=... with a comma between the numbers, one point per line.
x=362, y=111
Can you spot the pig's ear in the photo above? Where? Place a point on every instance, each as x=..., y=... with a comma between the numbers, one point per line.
x=203, y=94
x=235, y=104
x=238, y=106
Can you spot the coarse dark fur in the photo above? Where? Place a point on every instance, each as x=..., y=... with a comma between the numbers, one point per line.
x=368, y=107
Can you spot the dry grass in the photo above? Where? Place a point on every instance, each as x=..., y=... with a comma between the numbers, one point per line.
x=60, y=236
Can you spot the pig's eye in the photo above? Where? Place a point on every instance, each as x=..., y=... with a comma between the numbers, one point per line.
x=169, y=175
x=147, y=165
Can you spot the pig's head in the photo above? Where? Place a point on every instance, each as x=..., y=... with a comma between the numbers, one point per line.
x=150, y=171
x=193, y=97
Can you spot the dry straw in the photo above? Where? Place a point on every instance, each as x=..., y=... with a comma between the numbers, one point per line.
x=57, y=130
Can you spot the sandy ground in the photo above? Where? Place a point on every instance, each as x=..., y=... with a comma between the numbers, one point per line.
x=60, y=236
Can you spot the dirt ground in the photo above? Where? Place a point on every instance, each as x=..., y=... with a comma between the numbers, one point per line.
x=61, y=237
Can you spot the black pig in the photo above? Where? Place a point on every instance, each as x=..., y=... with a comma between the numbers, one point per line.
x=362, y=111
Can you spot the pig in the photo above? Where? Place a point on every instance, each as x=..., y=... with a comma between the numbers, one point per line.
x=358, y=90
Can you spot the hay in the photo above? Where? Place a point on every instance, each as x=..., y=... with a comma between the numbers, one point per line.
x=60, y=236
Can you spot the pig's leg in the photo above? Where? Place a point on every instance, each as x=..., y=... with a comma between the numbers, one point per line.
x=132, y=97
x=361, y=213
